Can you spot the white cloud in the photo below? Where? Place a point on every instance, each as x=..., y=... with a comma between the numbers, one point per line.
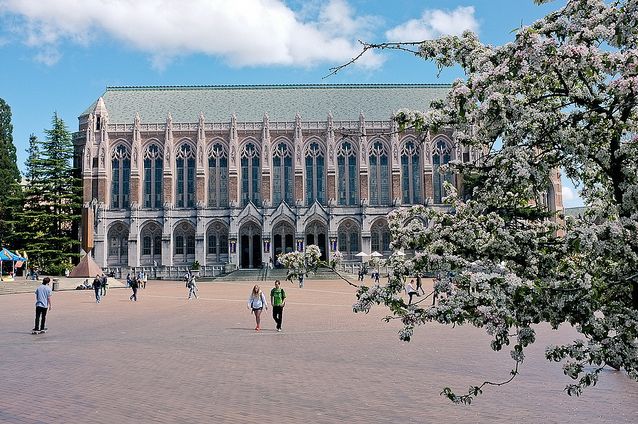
x=569, y=194
x=242, y=32
x=435, y=23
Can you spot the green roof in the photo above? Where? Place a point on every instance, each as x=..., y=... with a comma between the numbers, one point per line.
x=281, y=102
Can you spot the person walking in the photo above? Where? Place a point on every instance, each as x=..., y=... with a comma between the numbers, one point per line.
x=301, y=280
x=134, y=285
x=192, y=287
x=411, y=291
x=97, y=284
x=278, y=301
x=105, y=283
x=256, y=303
x=419, y=285
x=144, y=280
x=42, y=305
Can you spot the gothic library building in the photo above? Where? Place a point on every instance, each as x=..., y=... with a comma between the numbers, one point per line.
x=239, y=174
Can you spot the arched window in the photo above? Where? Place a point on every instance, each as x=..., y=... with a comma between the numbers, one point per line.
x=410, y=173
x=184, y=244
x=185, y=167
x=379, y=174
x=151, y=244
x=348, y=239
x=153, y=168
x=217, y=176
x=282, y=176
x=441, y=155
x=118, y=244
x=120, y=177
x=315, y=174
x=217, y=244
x=250, y=174
x=380, y=236
x=348, y=174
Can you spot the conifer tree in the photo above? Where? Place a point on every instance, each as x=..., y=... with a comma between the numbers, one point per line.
x=9, y=175
x=53, y=199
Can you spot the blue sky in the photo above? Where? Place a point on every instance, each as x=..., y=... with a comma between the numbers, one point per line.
x=59, y=55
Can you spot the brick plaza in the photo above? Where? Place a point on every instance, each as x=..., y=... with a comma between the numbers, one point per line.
x=166, y=359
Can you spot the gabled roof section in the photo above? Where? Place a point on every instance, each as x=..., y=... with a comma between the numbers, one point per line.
x=282, y=102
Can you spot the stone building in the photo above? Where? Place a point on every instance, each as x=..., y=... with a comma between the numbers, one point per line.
x=239, y=174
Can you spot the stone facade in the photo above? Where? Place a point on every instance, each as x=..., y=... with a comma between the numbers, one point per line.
x=206, y=190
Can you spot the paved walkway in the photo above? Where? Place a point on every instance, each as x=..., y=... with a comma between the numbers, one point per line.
x=22, y=285
x=166, y=359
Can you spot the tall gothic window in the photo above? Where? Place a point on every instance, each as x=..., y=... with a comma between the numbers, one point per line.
x=348, y=174
x=441, y=155
x=380, y=236
x=153, y=168
x=217, y=176
x=410, y=173
x=282, y=176
x=315, y=174
x=217, y=243
x=348, y=239
x=121, y=175
x=379, y=174
x=118, y=244
x=185, y=167
x=151, y=244
x=250, y=174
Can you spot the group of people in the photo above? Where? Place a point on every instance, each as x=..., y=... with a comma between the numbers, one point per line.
x=363, y=271
x=135, y=282
x=257, y=303
x=411, y=290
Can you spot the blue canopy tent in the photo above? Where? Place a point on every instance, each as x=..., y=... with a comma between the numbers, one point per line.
x=7, y=255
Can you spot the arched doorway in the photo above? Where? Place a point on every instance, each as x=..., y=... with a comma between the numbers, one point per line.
x=349, y=239
x=316, y=233
x=250, y=245
x=151, y=244
x=283, y=239
x=118, y=244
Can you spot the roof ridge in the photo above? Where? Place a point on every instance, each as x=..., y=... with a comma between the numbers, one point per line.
x=271, y=86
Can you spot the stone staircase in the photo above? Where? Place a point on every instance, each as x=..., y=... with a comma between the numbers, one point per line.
x=266, y=274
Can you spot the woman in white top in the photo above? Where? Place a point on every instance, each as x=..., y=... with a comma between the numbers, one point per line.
x=257, y=302
x=411, y=291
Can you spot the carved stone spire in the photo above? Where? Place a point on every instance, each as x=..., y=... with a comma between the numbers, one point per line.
x=201, y=144
x=298, y=140
x=168, y=142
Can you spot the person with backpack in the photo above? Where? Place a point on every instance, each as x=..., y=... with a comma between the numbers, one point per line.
x=278, y=301
x=134, y=287
x=256, y=303
x=192, y=287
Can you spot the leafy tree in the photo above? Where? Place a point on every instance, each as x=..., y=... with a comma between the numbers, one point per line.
x=9, y=175
x=562, y=95
x=52, y=200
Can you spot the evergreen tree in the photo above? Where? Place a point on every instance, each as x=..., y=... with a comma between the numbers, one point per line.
x=52, y=200
x=9, y=175
x=31, y=214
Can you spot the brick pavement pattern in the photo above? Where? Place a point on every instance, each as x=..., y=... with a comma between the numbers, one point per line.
x=165, y=359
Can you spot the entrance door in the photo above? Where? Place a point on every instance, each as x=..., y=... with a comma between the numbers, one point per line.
x=250, y=246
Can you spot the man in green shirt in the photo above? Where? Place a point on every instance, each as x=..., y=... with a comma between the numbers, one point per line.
x=278, y=301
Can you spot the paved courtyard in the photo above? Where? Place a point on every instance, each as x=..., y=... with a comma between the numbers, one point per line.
x=166, y=359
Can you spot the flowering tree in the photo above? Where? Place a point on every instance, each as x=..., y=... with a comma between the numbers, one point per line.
x=299, y=264
x=562, y=95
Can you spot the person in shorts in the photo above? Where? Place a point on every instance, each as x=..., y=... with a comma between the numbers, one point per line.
x=256, y=303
